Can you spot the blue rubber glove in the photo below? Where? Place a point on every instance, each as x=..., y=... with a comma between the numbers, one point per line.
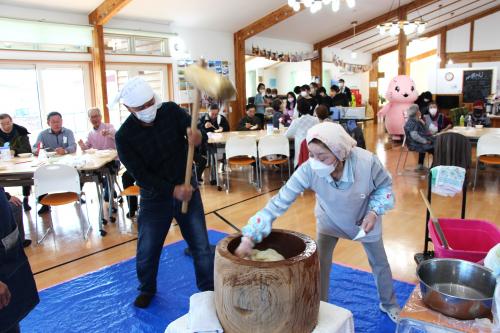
x=259, y=227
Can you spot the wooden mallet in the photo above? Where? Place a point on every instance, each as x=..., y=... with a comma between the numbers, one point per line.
x=214, y=85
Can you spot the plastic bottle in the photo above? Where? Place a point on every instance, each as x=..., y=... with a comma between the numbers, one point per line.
x=270, y=128
x=461, y=120
x=469, y=121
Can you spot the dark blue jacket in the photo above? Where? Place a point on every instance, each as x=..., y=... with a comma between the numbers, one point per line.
x=15, y=272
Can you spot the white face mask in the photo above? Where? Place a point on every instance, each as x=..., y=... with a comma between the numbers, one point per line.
x=321, y=169
x=262, y=91
x=433, y=111
x=303, y=93
x=147, y=115
x=273, y=96
x=290, y=100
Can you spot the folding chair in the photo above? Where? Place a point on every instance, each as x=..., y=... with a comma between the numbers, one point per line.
x=487, y=151
x=59, y=185
x=241, y=151
x=274, y=145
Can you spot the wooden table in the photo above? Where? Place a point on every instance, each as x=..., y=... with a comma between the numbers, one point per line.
x=416, y=317
x=473, y=133
x=91, y=167
x=221, y=138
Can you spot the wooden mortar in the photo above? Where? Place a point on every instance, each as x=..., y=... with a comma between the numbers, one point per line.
x=264, y=297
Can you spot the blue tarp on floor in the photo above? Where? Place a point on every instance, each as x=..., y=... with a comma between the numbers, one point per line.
x=102, y=301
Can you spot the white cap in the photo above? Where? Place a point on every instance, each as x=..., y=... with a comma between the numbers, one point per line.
x=135, y=92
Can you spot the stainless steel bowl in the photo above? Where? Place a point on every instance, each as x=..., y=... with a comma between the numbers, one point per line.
x=457, y=288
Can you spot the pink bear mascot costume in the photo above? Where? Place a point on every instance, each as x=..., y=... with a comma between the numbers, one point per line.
x=400, y=94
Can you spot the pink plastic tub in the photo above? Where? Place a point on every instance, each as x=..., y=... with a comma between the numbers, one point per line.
x=468, y=239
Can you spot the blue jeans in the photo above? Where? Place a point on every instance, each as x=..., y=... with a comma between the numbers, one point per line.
x=155, y=216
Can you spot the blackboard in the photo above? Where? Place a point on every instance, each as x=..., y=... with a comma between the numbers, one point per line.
x=477, y=84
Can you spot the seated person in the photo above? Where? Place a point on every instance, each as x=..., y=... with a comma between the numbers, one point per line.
x=435, y=121
x=213, y=121
x=19, y=142
x=323, y=113
x=338, y=99
x=278, y=108
x=250, y=122
x=102, y=137
x=15, y=205
x=56, y=138
x=418, y=137
x=479, y=116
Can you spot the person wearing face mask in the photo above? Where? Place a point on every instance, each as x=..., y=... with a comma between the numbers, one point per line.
x=479, y=116
x=435, y=121
x=305, y=93
x=261, y=102
x=274, y=93
x=152, y=144
x=353, y=192
x=423, y=101
x=290, y=108
x=343, y=90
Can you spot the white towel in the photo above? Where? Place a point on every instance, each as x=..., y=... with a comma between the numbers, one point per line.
x=447, y=180
x=202, y=314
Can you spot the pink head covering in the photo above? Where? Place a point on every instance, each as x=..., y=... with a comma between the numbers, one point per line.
x=334, y=137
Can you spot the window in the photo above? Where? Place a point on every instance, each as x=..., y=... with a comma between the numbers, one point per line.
x=117, y=44
x=19, y=97
x=125, y=44
x=118, y=75
x=28, y=93
x=151, y=46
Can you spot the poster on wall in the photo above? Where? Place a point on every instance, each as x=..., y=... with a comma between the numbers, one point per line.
x=186, y=89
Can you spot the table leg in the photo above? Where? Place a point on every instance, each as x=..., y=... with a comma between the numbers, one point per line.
x=111, y=188
x=101, y=204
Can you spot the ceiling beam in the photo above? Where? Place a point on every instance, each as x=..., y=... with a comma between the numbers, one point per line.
x=365, y=26
x=266, y=22
x=461, y=22
x=274, y=17
x=429, y=25
x=100, y=16
x=474, y=56
x=436, y=31
x=106, y=10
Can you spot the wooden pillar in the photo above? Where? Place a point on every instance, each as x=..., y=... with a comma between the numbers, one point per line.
x=373, y=92
x=317, y=65
x=402, y=44
x=442, y=49
x=240, y=78
x=471, y=40
x=99, y=71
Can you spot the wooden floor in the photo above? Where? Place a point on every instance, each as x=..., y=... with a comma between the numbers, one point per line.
x=67, y=255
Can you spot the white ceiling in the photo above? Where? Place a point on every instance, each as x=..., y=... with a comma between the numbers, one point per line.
x=311, y=28
x=435, y=16
x=216, y=15
x=232, y=15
